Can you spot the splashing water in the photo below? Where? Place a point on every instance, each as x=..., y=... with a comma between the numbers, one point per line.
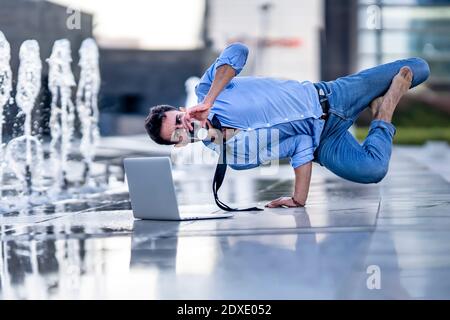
x=5, y=92
x=26, y=165
x=60, y=83
x=191, y=97
x=24, y=153
x=87, y=95
x=18, y=154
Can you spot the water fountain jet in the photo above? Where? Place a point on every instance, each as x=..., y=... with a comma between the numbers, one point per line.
x=86, y=101
x=60, y=83
x=24, y=154
x=28, y=185
x=5, y=94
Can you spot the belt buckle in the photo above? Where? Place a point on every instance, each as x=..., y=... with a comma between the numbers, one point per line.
x=323, y=100
x=322, y=96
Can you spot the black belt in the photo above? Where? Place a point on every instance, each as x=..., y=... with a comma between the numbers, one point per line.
x=221, y=169
x=323, y=99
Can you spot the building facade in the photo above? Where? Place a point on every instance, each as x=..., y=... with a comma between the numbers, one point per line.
x=393, y=29
x=283, y=35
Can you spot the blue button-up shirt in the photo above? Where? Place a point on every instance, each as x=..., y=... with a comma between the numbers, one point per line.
x=277, y=118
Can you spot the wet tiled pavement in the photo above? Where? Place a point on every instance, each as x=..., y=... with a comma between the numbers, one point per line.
x=94, y=249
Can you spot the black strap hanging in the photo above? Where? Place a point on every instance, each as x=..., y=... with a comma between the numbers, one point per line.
x=221, y=169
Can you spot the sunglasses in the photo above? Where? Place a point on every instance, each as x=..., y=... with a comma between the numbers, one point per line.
x=178, y=119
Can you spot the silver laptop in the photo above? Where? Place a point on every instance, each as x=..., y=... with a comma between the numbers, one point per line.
x=152, y=192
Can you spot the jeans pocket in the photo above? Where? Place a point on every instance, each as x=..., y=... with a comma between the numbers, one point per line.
x=336, y=101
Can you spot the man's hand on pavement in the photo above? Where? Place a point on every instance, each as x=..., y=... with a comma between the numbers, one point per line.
x=282, y=202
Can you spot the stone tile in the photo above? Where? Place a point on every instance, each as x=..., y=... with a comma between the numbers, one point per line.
x=93, y=248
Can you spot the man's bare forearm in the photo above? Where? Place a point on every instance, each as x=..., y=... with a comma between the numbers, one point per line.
x=223, y=76
x=302, y=182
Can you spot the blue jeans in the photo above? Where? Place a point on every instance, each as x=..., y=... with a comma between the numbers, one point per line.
x=348, y=96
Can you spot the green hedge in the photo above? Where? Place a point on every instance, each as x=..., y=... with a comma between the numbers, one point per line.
x=412, y=136
x=420, y=115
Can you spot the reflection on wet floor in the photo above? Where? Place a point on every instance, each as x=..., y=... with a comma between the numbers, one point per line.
x=93, y=248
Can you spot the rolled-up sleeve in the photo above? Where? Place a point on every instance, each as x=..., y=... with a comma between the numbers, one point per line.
x=299, y=148
x=235, y=55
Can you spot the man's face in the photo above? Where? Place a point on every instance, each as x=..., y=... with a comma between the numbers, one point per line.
x=172, y=128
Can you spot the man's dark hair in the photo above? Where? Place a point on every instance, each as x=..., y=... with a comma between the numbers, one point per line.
x=154, y=121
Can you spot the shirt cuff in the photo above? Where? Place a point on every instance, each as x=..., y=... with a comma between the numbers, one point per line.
x=302, y=158
x=235, y=56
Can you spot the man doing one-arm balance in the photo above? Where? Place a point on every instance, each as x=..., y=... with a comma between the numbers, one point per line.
x=311, y=120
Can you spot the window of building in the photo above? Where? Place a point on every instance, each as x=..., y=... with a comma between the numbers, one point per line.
x=395, y=29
